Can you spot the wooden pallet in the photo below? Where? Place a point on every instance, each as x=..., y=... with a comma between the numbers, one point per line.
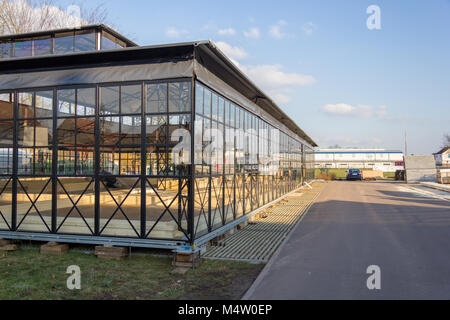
x=55, y=249
x=111, y=253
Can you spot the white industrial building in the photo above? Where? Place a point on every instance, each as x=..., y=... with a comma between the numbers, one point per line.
x=377, y=159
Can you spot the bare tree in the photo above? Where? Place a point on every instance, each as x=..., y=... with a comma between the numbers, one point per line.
x=19, y=16
x=447, y=140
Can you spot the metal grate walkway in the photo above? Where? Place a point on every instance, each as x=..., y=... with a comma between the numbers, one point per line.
x=258, y=242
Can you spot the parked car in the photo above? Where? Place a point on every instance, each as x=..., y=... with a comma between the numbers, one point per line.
x=354, y=174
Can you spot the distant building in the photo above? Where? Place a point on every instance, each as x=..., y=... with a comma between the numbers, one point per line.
x=378, y=159
x=443, y=157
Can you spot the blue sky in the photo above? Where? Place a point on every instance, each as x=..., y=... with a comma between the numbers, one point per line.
x=342, y=83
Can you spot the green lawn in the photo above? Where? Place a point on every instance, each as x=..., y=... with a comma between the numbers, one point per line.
x=26, y=274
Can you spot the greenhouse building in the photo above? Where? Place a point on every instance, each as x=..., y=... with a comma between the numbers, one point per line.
x=106, y=142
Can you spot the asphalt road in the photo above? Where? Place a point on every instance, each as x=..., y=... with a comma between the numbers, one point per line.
x=354, y=225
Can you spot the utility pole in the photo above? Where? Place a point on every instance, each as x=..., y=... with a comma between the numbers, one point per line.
x=406, y=143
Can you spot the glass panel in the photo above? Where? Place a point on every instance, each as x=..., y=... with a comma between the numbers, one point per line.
x=109, y=130
x=44, y=104
x=229, y=199
x=156, y=129
x=110, y=100
x=66, y=103
x=44, y=133
x=26, y=110
x=199, y=99
x=6, y=106
x=42, y=161
x=165, y=223
x=5, y=50
x=34, y=218
x=66, y=161
x=6, y=133
x=217, y=218
x=85, y=131
x=109, y=161
x=85, y=42
x=35, y=161
x=76, y=160
x=156, y=161
x=35, y=133
x=178, y=122
x=109, y=42
x=26, y=133
x=131, y=99
x=86, y=102
x=214, y=106
x=5, y=199
x=76, y=204
x=64, y=44
x=130, y=161
x=120, y=206
x=66, y=132
x=131, y=131
x=85, y=161
x=25, y=161
x=6, y=161
x=22, y=49
x=42, y=47
x=180, y=97
x=201, y=203
x=157, y=98
x=207, y=103
x=221, y=110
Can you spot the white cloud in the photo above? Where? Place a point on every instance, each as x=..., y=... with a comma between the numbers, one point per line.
x=227, y=32
x=308, y=28
x=277, y=83
x=235, y=53
x=271, y=78
x=360, y=111
x=173, y=32
x=276, y=30
x=253, y=33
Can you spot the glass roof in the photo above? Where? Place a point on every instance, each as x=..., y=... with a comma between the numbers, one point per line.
x=66, y=41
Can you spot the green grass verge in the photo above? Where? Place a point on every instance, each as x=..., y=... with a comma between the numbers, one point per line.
x=337, y=173
x=26, y=274
x=340, y=174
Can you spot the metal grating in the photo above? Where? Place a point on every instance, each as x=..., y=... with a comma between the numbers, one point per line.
x=258, y=242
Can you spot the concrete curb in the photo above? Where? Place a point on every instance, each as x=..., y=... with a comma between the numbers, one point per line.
x=274, y=258
x=436, y=186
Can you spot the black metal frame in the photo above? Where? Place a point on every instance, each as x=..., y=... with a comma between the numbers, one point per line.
x=54, y=179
